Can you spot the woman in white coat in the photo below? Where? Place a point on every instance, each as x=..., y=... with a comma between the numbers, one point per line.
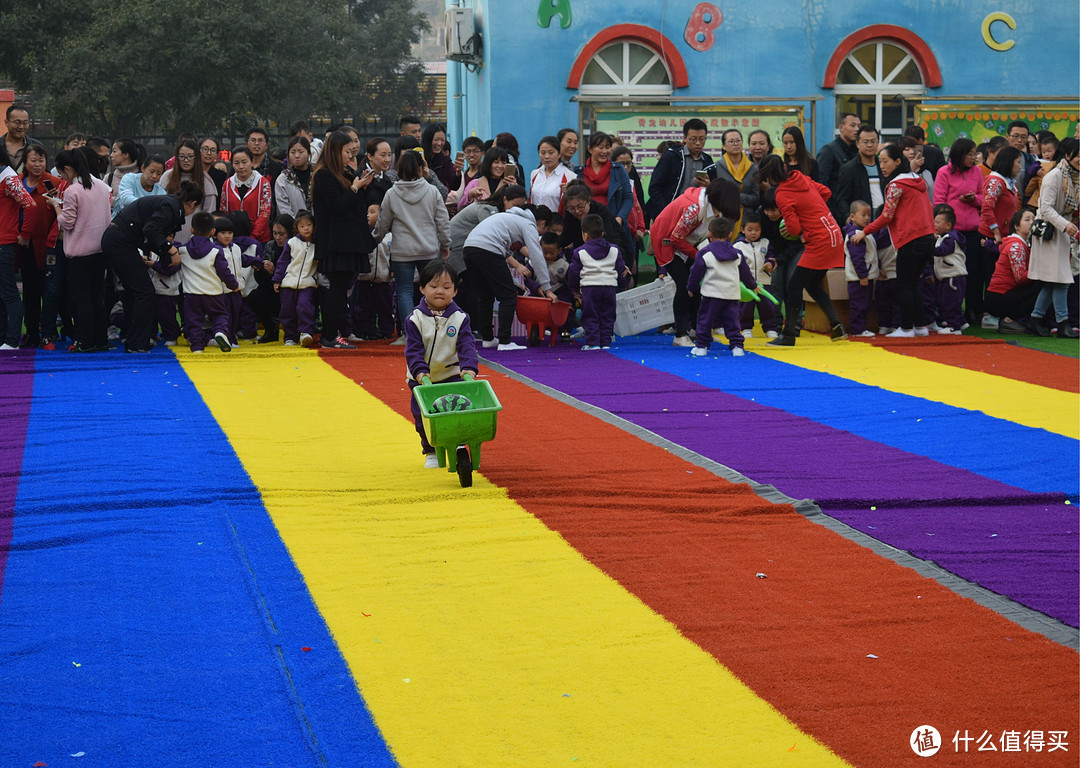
x=1050, y=258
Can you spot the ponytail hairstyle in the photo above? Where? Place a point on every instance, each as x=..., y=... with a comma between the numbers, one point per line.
x=77, y=160
x=895, y=153
x=134, y=150
x=189, y=192
x=772, y=171
x=410, y=166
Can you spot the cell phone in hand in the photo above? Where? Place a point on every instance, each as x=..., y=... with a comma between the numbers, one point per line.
x=511, y=170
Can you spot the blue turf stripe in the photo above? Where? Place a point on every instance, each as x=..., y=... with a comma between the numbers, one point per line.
x=966, y=439
x=143, y=554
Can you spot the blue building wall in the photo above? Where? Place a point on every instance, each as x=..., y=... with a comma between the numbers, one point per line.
x=763, y=48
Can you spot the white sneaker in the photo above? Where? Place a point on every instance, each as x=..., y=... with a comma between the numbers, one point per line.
x=6, y=347
x=990, y=322
x=399, y=341
x=948, y=332
x=774, y=334
x=682, y=341
x=922, y=330
x=353, y=338
x=738, y=352
x=578, y=333
x=305, y=340
x=589, y=347
x=885, y=330
x=431, y=461
x=223, y=342
x=719, y=337
x=964, y=327
x=170, y=343
x=748, y=333
x=868, y=334
x=510, y=347
x=699, y=351
x=900, y=333
x=194, y=351
x=490, y=343
x=290, y=343
x=933, y=327
x=236, y=346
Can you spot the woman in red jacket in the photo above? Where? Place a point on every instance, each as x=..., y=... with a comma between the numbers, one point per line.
x=999, y=198
x=800, y=201
x=17, y=215
x=910, y=219
x=249, y=191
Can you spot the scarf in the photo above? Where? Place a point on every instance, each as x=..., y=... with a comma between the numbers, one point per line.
x=598, y=181
x=1070, y=182
x=738, y=173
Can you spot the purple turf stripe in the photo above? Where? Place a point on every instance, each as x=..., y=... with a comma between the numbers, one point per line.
x=17, y=386
x=1019, y=544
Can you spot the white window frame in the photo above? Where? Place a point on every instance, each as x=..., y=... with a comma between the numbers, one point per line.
x=880, y=84
x=627, y=83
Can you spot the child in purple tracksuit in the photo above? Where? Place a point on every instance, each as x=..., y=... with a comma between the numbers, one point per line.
x=860, y=268
x=717, y=271
x=759, y=256
x=294, y=279
x=439, y=343
x=240, y=264
x=950, y=270
x=166, y=280
x=596, y=271
x=208, y=282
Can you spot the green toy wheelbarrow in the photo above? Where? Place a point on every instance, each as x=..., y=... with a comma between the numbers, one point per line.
x=456, y=435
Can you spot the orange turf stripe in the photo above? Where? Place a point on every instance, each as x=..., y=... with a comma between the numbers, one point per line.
x=689, y=544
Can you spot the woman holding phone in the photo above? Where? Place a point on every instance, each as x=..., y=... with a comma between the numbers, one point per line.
x=42, y=259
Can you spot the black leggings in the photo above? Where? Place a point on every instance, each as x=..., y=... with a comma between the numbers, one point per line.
x=911, y=259
x=811, y=280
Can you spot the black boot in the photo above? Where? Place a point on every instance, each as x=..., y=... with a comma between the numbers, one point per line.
x=838, y=333
x=1038, y=326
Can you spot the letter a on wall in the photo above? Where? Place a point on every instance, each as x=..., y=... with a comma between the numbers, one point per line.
x=550, y=8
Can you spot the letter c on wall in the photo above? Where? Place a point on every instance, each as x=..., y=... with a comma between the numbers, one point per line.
x=988, y=38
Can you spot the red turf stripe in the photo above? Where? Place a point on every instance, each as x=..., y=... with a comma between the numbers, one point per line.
x=690, y=544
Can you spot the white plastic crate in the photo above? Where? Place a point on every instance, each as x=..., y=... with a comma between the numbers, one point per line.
x=644, y=308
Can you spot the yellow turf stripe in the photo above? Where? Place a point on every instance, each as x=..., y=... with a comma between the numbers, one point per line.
x=1004, y=398
x=490, y=641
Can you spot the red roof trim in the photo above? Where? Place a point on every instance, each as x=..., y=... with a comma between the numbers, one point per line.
x=920, y=51
x=638, y=33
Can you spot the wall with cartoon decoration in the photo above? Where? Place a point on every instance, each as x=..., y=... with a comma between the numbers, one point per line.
x=549, y=64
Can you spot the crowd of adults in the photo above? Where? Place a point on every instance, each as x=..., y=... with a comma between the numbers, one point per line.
x=78, y=233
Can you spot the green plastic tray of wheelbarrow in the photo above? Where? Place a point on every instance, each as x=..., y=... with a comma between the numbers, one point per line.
x=446, y=431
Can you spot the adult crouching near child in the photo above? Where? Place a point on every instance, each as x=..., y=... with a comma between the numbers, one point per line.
x=802, y=204
x=675, y=234
x=149, y=224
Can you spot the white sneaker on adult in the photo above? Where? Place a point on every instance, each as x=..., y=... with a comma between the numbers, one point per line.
x=431, y=461
x=682, y=341
x=738, y=352
x=923, y=330
x=510, y=347
x=699, y=351
x=490, y=343
x=885, y=330
x=900, y=333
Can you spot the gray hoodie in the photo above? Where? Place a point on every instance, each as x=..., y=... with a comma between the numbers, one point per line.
x=415, y=213
x=506, y=234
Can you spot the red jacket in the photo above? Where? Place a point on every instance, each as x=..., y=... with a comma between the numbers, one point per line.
x=256, y=203
x=1012, y=265
x=801, y=201
x=15, y=200
x=907, y=212
x=999, y=203
x=671, y=231
x=45, y=228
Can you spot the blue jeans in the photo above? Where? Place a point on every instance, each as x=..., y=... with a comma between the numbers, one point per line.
x=1057, y=293
x=12, y=317
x=403, y=272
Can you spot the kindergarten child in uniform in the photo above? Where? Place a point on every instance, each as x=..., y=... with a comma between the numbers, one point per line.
x=373, y=295
x=758, y=255
x=888, y=307
x=240, y=265
x=166, y=279
x=596, y=271
x=860, y=268
x=294, y=279
x=208, y=283
x=950, y=270
x=439, y=342
x=716, y=273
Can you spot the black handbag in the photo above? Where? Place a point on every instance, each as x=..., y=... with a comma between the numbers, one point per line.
x=1043, y=230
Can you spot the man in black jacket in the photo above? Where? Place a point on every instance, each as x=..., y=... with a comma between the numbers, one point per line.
x=860, y=178
x=837, y=152
x=674, y=171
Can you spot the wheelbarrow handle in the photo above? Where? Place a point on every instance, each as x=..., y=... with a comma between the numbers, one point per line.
x=425, y=380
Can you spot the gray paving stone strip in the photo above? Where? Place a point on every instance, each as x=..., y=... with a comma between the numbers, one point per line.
x=1029, y=619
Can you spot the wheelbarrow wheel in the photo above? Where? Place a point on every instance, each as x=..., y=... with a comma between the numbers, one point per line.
x=464, y=466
